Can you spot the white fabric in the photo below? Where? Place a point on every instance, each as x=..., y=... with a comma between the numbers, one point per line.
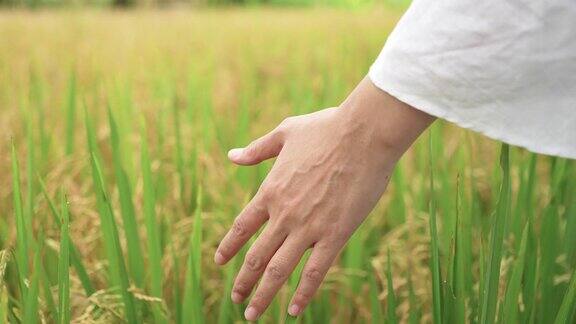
x=504, y=68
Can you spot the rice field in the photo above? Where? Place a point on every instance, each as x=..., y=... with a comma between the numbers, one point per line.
x=115, y=189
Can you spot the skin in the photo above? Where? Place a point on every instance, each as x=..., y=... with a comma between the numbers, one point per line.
x=332, y=167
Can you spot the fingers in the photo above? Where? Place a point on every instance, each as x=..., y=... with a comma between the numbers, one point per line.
x=245, y=225
x=266, y=147
x=255, y=262
x=277, y=272
x=312, y=275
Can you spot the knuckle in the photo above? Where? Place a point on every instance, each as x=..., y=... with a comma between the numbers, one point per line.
x=258, y=300
x=225, y=250
x=303, y=296
x=286, y=218
x=276, y=272
x=336, y=237
x=253, y=149
x=257, y=206
x=253, y=262
x=312, y=232
x=266, y=192
x=241, y=288
x=278, y=227
x=239, y=227
x=313, y=275
x=286, y=123
x=281, y=225
x=286, y=126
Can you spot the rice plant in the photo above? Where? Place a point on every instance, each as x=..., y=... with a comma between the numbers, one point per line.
x=116, y=189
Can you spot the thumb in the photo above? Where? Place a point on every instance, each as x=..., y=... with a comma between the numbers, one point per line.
x=264, y=148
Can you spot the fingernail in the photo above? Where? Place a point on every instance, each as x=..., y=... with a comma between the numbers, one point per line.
x=251, y=314
x=237, y=298
x=219, y=258
x=294, y=310
x=234, y=153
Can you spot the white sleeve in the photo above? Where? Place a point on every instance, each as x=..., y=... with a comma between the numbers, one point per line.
x=506, y=69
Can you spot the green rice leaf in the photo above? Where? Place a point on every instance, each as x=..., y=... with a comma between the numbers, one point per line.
x=510, y=305
x=434, y=250
x=375, y=305
x=74, y=254
x=71, y=115
x=192, y=303
x=117, y=268
x=391, y=310
x=22, y=231
x=64, y=266
x=492, y=274
x=568, y=303
x=154, y=248
x=31, y=301
x=134, y=251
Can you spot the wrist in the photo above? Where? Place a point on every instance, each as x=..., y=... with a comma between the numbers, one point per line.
x=368, y=120
x=390, y=124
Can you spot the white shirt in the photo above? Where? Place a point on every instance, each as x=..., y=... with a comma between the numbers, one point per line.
x=504, y=68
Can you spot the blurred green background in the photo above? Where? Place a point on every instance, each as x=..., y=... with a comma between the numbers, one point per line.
x=206, y=76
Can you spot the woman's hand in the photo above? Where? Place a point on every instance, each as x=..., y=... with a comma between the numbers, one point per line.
x=332, y=167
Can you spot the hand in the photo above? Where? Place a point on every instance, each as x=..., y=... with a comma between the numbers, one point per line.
x=332, y=167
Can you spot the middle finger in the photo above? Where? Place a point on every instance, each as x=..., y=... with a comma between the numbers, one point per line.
x=256, y=260
x=277, y=272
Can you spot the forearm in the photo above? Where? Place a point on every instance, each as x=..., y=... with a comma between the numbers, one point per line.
x=391, y=124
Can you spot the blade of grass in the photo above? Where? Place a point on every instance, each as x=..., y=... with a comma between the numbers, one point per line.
x=462, y=270
x=375, y=305
x=118, y=271
x=354, y=259
x=193, y=299
x=31, y=300
x=492, y=279
x=525, y=195
x=435, y=257
x=391, y=309
x=117, y=268
x=64, y=266
x=550, y=246
x=176, y=291
x=154, y=248
x=570, y=213
x=21, y=226
x=37, y=102
x=30, y=173
x=74, y=254
x=531, y=274
x=448, y=291
x=414, y=315
x=135, y=257
x=4, y=315
x=70, y=115
x=510, y=302
x=48, y=302
x=124, y=110
x=179, y=154
x=226, y=314
x=529, y=288
x=398, y=205
x=568, y=303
